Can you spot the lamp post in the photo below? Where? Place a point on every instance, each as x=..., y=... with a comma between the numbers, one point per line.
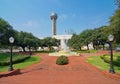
x=11, y=40
x=111, y=38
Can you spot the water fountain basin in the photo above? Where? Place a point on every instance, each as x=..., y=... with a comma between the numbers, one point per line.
x=64, y=52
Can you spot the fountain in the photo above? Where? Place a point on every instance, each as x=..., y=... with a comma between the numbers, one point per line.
x=64, y=49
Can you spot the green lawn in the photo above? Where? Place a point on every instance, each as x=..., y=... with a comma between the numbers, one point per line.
x=5, y=57
x=22, y=65
x=99, y=63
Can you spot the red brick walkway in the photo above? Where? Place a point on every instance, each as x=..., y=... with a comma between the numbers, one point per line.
x=78, y=71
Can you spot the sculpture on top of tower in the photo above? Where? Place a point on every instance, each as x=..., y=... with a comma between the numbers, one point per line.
x=53, y=17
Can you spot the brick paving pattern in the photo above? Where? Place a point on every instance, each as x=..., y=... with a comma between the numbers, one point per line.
x=78, y=71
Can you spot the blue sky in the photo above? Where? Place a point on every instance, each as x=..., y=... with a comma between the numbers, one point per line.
x=73, y=15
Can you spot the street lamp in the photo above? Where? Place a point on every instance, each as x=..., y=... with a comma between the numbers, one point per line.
x=11, y=40
x=111, y=38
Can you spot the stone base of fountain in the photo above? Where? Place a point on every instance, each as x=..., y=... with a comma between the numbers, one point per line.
x=64, y=52
x=63, y=46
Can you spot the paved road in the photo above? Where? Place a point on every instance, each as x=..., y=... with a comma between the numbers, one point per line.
x=78, y=71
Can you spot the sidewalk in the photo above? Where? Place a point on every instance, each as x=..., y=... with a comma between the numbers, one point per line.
x=78, y=71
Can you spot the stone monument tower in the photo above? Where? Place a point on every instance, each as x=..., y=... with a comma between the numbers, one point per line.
x=53, y=17
x=64, y=49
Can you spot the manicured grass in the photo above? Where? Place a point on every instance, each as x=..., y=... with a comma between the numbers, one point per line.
x=22, y=65
x=16, y=58
x=99, y=63
x=5, y=57
x=116, y=58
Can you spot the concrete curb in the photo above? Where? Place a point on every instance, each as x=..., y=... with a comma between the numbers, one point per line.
x=10, y=73
x=113, y=76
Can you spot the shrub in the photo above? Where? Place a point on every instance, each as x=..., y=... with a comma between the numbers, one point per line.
x=16, y=59
x=85, y=51
x=116, y=58
x=62, y=60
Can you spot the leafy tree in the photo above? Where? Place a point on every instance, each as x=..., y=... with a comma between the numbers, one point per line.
x=118, y=3
x=75, y=42
x=49, y=42
x=86, y=35
x=115, y=25
x=99, y=36
x=6, y=31
x=36, y=43
x=25, y=39
x=21, y=40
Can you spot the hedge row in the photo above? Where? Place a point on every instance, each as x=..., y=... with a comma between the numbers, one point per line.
x=116, y=59
x=14, y=61
x=85, y=51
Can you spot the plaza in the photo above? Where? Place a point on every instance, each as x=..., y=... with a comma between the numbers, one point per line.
x=60, y=42
x=78, y=71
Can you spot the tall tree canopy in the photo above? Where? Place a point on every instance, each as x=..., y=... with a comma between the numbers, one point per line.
x=22, y=39
x=75, y=42
x=118, y=3
x=49, y=42
x=115, y=25
x=25, y=39
x=6, y=31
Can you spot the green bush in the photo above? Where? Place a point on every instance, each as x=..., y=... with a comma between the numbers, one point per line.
x=17, y=58
x=22, y=65
x=116, y=58
x=85, y=51
x=62, y=60
x=14, y=61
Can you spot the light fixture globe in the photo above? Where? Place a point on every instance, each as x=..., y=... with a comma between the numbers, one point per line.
x=110, y=37
x=53, y=16
x=11, y=40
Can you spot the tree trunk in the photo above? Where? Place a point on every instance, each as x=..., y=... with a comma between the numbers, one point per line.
x=30, y=52
x=94, y=46
x=42, y=48
x=80, y=48
x=87, y=47
x=29, y=49
x=23, y=47
x=35, y=48
x=103, y=47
